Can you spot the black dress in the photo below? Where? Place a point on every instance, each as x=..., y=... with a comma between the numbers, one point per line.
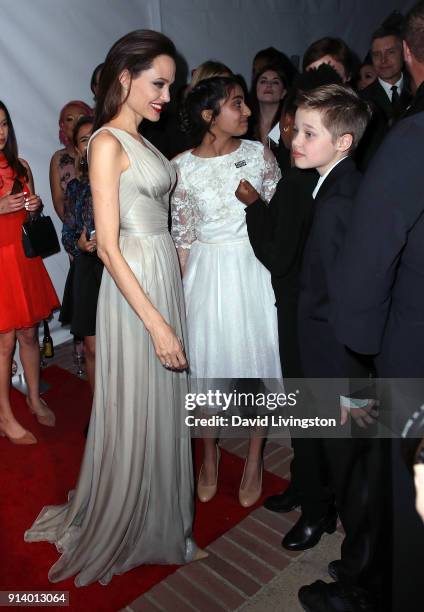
x=87, y=268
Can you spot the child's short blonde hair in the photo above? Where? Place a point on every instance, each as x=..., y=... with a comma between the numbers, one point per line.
x=342, y=110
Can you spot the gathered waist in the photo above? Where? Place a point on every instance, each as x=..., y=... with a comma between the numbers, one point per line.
x=223, y=242
x=129, y=231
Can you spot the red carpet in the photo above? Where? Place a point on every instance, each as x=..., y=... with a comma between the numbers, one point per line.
x=42, y=474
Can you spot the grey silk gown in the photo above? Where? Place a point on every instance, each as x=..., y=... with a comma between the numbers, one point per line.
x=134, y=500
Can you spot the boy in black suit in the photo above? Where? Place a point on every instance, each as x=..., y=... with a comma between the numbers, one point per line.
x=330, y=122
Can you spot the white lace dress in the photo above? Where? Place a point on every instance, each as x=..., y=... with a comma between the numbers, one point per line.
x=231, y=316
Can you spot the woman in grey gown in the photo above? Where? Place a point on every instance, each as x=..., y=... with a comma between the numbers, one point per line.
x=133, y=503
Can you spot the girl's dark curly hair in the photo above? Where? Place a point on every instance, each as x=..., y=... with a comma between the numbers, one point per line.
x=208, y=94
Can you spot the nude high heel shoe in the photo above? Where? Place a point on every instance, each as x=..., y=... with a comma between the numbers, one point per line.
x=200, y=554
x=24, y=440
x=48, y=419
x=248, y=497
x=206, y=492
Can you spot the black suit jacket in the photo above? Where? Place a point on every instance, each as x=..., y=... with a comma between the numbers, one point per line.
x=278, y=233
x=381, y=121
x=417, y=103
x=376, y=95
x=322, y=354
x=380, y=297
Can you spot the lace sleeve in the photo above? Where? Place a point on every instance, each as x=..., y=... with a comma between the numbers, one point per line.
x=271, y=175
x=183, y=220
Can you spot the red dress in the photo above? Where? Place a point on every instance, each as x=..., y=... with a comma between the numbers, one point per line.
x=26, y=292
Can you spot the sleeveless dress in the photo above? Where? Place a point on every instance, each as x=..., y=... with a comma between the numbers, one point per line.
x=231, y=316
x=27, y=295
x=134, y=499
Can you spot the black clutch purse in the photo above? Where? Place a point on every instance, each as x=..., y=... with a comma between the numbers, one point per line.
x=39, y=238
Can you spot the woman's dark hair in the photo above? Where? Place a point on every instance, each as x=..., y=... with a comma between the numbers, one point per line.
x=10, y=149
x=134, y=52
x=81, y=121
x=276, y=58
x=93, y=79
x=207, y=95
x=329, y=46
x=254, y=103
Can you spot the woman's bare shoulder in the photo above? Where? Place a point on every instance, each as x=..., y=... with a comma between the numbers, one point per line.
x=105, y=140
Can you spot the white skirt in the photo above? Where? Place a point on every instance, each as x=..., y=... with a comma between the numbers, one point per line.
x=231, y=314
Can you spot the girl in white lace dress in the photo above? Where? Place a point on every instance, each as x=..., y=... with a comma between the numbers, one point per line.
x=231, y=317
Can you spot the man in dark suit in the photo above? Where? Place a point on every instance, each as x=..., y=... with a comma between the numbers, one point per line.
x=380, y=305
x=390, y=91
x=389, y=95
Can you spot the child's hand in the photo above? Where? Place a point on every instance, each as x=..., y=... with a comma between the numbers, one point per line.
x=246, y=193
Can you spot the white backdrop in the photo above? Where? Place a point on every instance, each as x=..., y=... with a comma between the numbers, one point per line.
x=48, y=49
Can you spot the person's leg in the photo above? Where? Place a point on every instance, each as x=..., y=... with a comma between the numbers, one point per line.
x=209, y=475
x=310, y=475
x=8, y=424
x=90, y=355
x=253, y=467
x=357, y=477
x=315, y=496
x=29, y=352
x=291, y=367
x=355, y=471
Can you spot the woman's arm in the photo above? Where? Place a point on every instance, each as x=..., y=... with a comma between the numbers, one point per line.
x=58, y=197
x=107, y=162
x=183, y=223
x=271, y=175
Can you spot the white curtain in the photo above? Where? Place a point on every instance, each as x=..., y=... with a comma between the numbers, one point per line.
x=232, y=31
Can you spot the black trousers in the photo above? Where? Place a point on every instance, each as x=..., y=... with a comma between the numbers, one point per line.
x=348, y=472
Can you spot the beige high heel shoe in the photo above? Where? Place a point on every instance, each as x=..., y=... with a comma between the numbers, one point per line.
x=26, y=439
x=206, y=492
x=200, y=554
x=48, y=419
x=249, y=497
